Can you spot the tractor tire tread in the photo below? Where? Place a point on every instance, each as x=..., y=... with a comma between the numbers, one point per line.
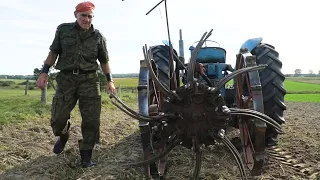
x=272, y=81
x=160, y=55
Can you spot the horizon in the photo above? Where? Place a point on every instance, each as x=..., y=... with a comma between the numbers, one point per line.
x=30, y=26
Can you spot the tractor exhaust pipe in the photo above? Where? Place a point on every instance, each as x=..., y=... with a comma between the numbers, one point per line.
x=181, y=48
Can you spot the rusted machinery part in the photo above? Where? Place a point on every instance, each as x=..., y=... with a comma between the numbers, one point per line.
x=258, y=115
x=129, y=111
x=249, y=96
x=197, y=166
x=236, y=155
x=191, y=65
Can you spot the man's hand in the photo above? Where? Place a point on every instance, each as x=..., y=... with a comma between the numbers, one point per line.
x=110, y=88
x=42, y=80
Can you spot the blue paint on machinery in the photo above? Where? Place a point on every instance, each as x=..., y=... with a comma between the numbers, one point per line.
x=213, y=60
x=143, y=89
x=250, y=44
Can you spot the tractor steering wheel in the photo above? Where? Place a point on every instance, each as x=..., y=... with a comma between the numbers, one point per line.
x=206, y=43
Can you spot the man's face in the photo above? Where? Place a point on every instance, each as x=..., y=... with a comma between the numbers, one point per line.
x=84, y=19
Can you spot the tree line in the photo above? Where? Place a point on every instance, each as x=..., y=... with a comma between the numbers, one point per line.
x=311, y=73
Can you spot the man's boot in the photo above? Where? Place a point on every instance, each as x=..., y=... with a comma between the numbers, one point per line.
x=62, y=140
x=86, y=157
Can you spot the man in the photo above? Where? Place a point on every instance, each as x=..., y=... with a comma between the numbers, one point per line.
x=78, y=45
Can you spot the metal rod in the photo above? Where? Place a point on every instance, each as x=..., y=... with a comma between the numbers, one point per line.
x=256, y=113
x=236, y=156
x=154, y=7
x=172, y=80
x=260, y=118
x=197, y=168
x=227, y=78
x=156, y=157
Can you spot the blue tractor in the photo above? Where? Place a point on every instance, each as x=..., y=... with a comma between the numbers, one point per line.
x=164, y=73
x=189, y=104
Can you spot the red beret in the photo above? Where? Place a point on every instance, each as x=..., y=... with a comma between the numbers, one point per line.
x=85, y=6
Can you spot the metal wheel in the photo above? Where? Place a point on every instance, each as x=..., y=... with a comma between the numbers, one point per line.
x=249, y=96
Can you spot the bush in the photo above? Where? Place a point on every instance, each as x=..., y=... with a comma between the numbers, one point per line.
x=31, y=87
x=7, y=83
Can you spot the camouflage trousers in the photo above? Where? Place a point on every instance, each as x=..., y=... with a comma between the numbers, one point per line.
x=70, y=89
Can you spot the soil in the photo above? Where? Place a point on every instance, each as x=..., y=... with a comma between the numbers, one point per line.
x=26, y=151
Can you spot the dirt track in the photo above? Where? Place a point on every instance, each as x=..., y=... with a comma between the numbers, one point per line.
x=25, y=151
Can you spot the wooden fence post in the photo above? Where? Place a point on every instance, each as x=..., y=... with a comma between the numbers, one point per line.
x=119, y=90
x=27, y=87
x=44, y=95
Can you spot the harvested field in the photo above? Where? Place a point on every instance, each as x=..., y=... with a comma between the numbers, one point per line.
x=26, y=150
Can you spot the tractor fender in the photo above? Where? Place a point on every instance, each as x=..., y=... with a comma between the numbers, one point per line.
x=250, y=44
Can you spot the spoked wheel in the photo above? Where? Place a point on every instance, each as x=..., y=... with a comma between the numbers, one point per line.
x=249, y=96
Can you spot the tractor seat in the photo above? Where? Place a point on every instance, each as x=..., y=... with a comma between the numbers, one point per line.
x=211, y=55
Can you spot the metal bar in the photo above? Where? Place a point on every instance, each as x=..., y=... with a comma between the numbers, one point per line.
x=154, y=7
x=143, y=89
x=181, y=46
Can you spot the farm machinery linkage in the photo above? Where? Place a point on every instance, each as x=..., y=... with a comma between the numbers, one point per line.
x=200, y=111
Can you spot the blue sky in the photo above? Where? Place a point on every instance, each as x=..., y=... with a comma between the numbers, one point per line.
x=291, y=26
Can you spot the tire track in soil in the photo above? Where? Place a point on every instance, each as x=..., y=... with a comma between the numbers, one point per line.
x=298, y=154
x=285, y=157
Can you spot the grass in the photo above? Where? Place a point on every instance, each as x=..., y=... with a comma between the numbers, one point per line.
x=294, y=87
x=303, y=98
x=302, y=89
x=16, y=107
x=126, y=82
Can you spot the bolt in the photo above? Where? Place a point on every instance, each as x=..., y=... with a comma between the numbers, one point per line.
x=155, y=128
x=225, y=109
x=221, y=133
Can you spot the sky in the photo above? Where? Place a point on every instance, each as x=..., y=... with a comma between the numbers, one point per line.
x=28, y=29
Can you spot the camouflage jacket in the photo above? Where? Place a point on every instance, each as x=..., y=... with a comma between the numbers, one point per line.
x=78, y=49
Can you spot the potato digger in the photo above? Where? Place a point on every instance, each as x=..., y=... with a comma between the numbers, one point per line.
x=190, y=105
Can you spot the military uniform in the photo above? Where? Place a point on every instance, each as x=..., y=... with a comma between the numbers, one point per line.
x=78, y=80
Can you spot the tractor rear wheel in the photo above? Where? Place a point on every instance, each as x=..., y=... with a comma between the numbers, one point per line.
x=161, y=67
x=272, y=82
x=255, y=136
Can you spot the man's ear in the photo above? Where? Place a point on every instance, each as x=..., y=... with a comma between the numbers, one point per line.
x=75, y=14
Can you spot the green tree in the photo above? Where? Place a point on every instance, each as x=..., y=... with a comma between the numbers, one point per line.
x=297, y=72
